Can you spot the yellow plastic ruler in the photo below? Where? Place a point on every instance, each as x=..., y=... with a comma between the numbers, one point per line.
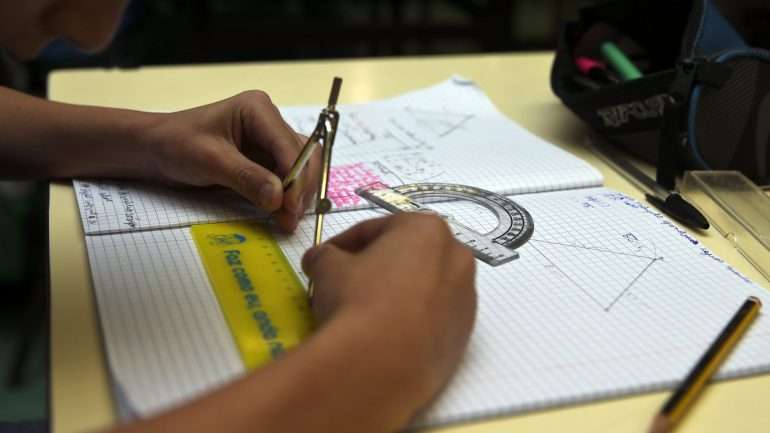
x=263, y=300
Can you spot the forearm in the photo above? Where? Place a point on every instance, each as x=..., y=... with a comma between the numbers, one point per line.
x=347, y=378
x=40, y=138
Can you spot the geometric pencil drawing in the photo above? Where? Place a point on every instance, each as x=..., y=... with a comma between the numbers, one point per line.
x=441, y=123
x=594, y=270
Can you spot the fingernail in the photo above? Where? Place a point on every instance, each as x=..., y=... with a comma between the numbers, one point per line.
x=267, y=193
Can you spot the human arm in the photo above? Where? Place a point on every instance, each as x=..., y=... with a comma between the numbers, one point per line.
x=241, y=143
x=396, y=302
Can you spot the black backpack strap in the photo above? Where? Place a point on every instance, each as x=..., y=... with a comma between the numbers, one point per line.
x=672, y=144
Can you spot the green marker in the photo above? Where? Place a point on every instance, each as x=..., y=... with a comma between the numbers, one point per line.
x=617, y=58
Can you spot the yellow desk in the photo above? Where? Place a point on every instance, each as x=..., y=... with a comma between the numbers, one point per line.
x=518, y=84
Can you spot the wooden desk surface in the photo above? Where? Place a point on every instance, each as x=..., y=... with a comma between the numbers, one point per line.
x=517, y=83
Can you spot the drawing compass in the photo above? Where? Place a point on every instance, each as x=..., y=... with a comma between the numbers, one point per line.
x=496, y=247
x=324, y=133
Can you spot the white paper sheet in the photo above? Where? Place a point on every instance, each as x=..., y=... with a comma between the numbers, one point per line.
x=450, y=132
x=608, y=298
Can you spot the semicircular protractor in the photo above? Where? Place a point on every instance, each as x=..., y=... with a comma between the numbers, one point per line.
x=514, y=224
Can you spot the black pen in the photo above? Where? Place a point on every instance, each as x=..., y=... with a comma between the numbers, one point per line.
x=671, y=203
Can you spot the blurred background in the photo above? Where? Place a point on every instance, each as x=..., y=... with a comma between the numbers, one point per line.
x=158, y=32
x=202, y=31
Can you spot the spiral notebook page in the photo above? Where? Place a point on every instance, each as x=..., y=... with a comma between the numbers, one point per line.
x=607, y=299
x=166, y=338
x=116, y=206
x=450, y=132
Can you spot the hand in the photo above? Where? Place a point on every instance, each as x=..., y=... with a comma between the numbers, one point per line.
x=396, y=301
x=241, y=143
x=408, y=281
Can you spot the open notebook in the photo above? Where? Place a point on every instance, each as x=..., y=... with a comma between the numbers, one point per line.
x=450, y=132
x=608, y=298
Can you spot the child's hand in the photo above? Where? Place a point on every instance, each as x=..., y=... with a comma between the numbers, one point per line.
x=405, y=281
x=241, y=143
x=396, y=301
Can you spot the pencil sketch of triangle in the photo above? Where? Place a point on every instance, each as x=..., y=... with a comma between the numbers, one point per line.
x=356, y=131
x=357, y=135
x=441, y=123
x=604, y=275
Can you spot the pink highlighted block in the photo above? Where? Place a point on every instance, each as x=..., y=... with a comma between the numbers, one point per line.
x=343, y=181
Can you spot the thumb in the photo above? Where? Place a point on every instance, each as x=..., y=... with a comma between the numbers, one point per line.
x=252, y=181
x=319, y=261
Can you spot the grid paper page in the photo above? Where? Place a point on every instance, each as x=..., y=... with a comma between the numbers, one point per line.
x=399, y=144
x=450, y=132
x=166, y=338
x=609, y=298
x=124, y=206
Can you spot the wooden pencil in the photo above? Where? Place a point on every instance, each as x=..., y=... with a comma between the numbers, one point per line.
x=676, y=406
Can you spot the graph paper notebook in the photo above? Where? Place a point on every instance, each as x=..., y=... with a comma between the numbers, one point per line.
x=450, y=132
x=585, y=313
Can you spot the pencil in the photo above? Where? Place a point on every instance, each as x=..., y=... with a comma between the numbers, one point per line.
x=674, y=409
x=300, y=162
x=314, y=140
